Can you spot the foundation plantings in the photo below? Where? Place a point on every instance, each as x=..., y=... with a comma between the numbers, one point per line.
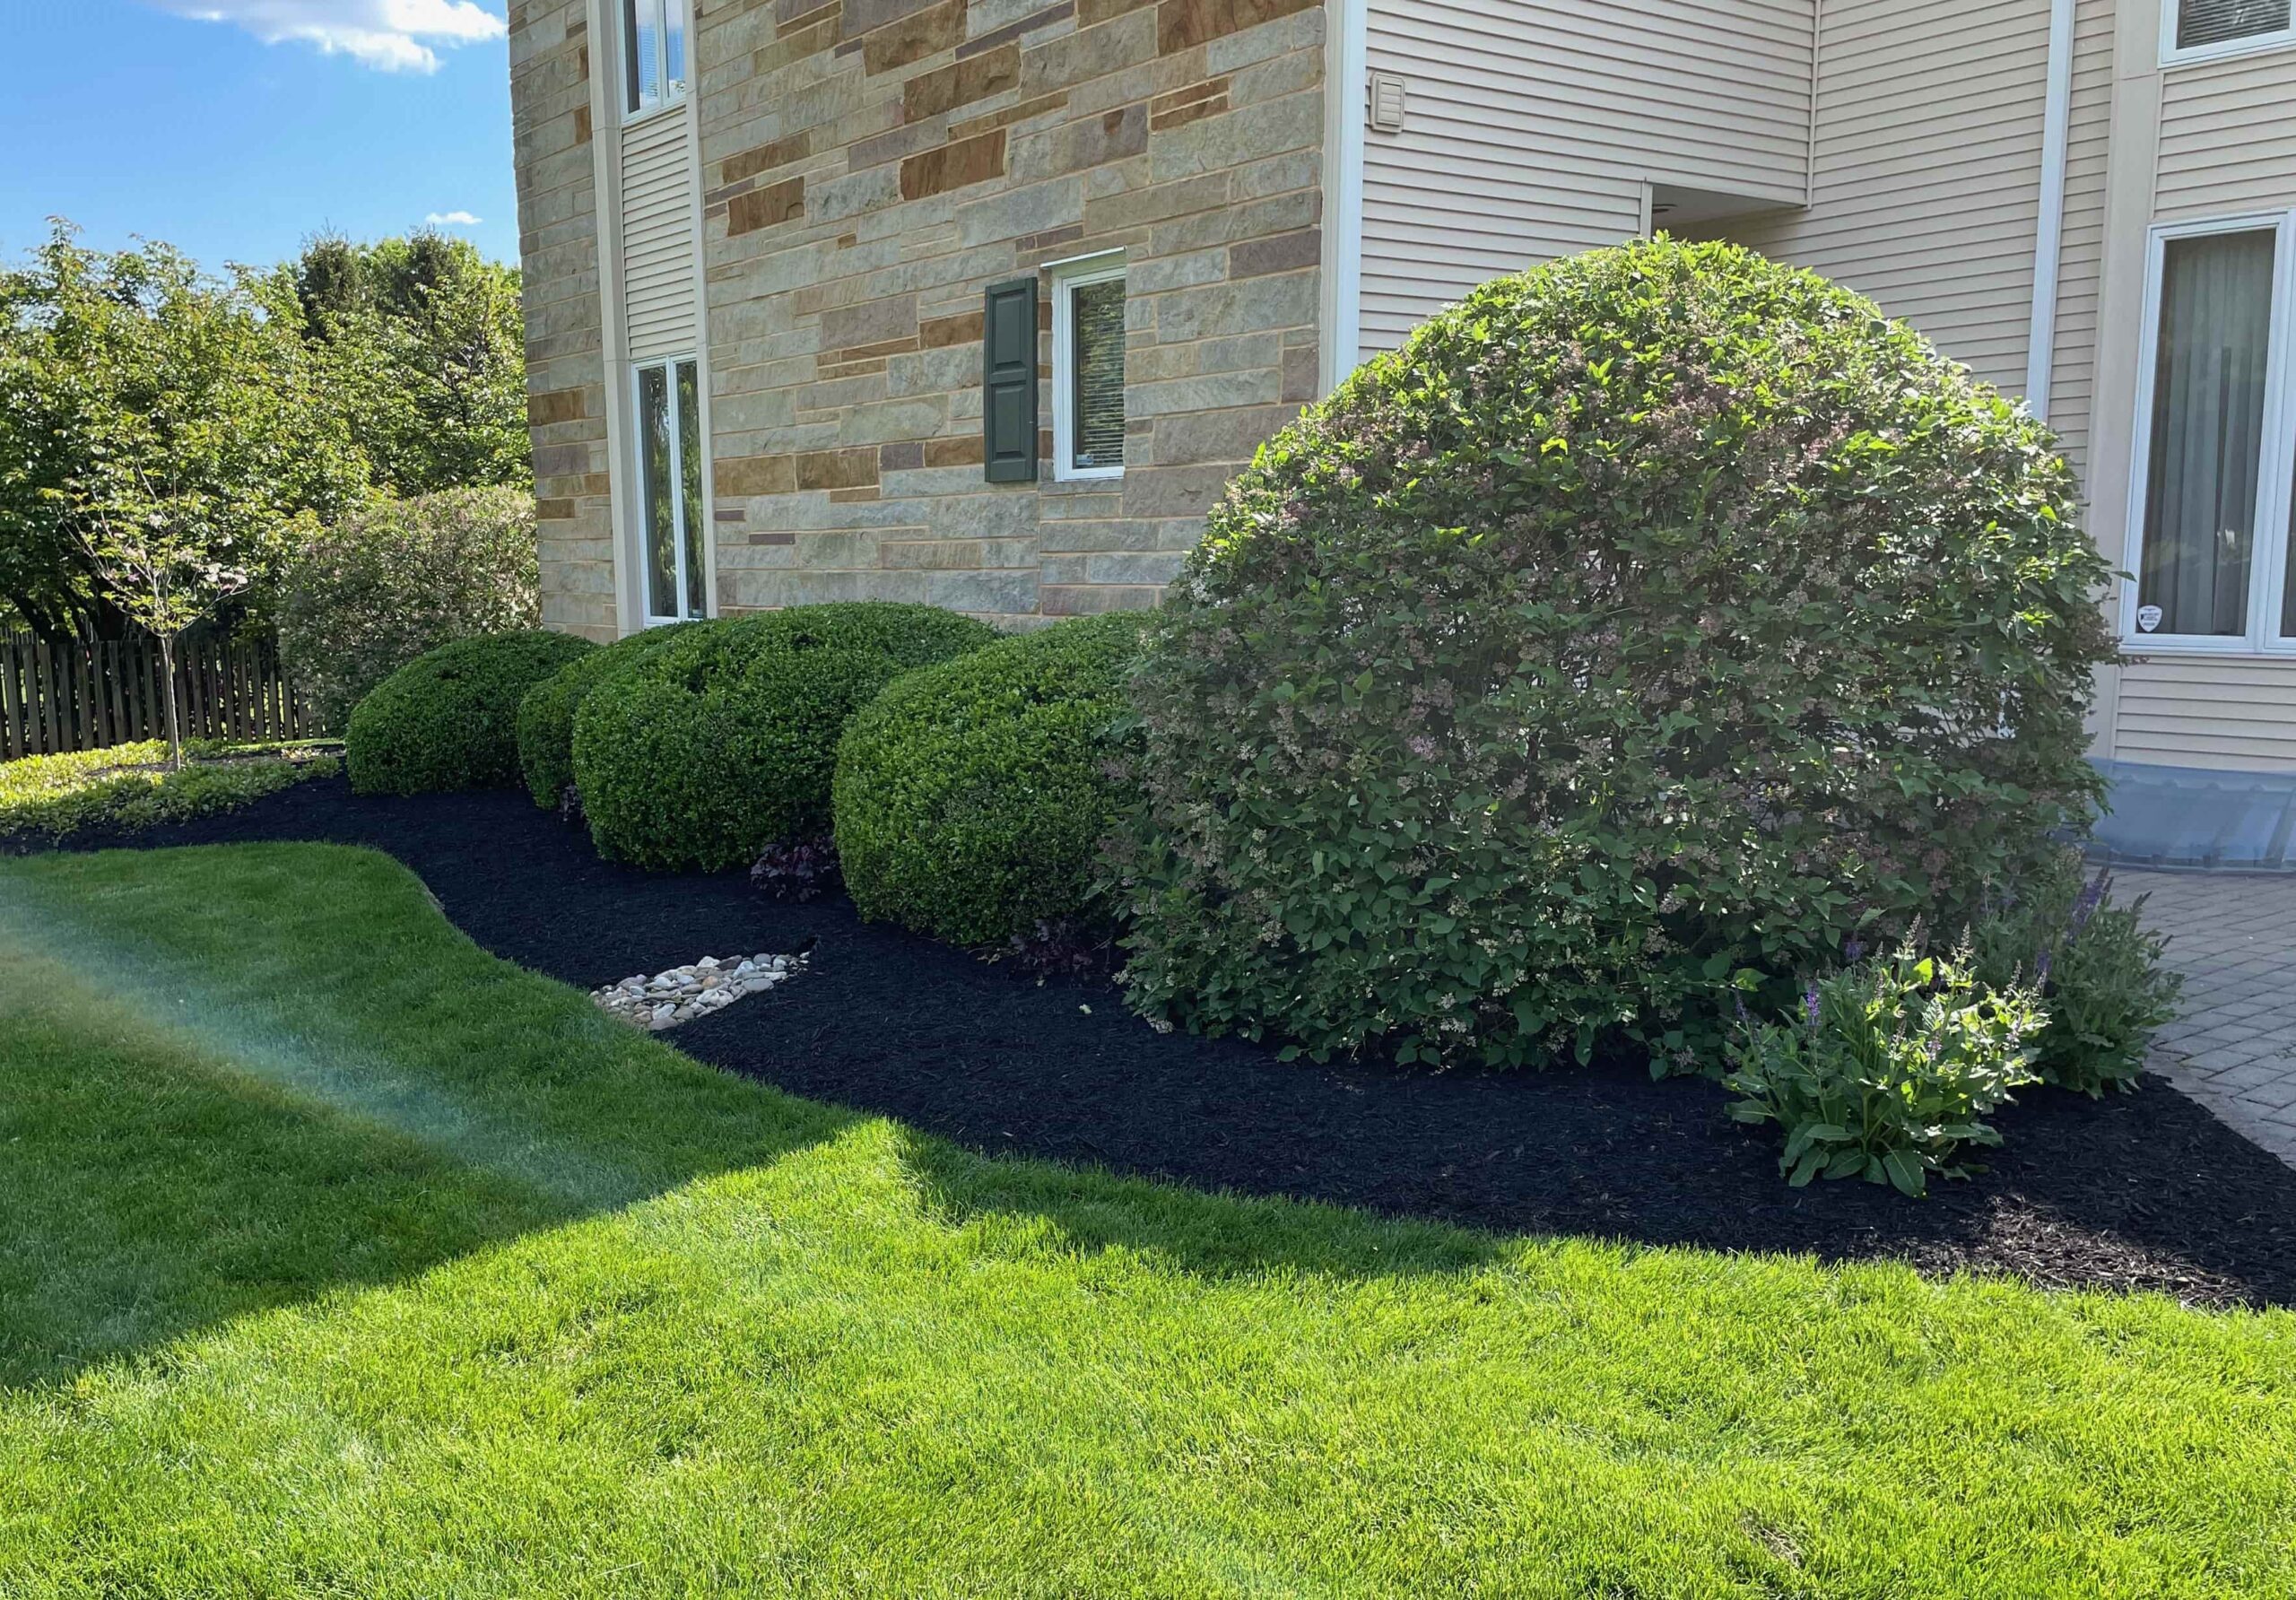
x=547, y=714
x=1650, y=624
x=973, y=797
x=724, y=740
x=448, y=719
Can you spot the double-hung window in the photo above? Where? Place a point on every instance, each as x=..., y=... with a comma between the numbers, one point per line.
x=2211, y=493
x=1088, y=367
x=653, y=54
x=670, y=467
x=2198, y=29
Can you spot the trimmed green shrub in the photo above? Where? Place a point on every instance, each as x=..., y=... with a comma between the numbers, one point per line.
x=399, y=577
x=448, y=719
x=1885, y=1069
x=547, y=716
x=1648, y=624
x=2098, y=968
x=973, y=797
x=725, y=739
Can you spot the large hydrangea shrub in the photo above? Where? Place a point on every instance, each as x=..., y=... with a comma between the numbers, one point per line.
x=1652, y=622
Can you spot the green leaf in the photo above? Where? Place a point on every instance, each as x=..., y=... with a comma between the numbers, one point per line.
x=1905, y=1171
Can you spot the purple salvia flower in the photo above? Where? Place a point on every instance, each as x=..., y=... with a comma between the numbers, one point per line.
x=1811, y=1008
x=2040, y=968
x=1853, y=950
x=2092, y=895
x=1936, y=1046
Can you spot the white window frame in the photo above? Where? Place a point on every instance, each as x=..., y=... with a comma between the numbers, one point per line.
x=2275, y=473
x=644, y=568
x=2279, y=39
x=1067, y=276
x=662, y=11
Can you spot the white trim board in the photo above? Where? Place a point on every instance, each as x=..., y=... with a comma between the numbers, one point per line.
x=1347, y=71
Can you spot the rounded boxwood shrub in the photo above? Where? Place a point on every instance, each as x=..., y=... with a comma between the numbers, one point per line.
x=725, y=739
x=1649, y=622
x=547, y=716
x=448, y=719
x=973, y=797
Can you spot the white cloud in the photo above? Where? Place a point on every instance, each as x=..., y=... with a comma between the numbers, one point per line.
x=453, y=219
x=389, y=35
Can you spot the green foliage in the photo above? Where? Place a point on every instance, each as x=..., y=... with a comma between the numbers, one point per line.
x=158, y=430
x=973, y=797
x=725, y=739
x=1886, y=1069
x=129, y=787
x=419, y=344
x=547, y=716
x=2098, y=968
x=448, y=719
x=396, y=578
x=129, y=382
x=1654, y=617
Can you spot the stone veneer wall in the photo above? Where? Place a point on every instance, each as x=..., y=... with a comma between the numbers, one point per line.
x=870, y=166
x=558, y=242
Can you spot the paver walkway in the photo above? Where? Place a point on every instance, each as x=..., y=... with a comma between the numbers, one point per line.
x=2234, y=1048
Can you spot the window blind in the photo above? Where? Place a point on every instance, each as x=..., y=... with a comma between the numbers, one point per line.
x=2219, y=21
x=1097, y=318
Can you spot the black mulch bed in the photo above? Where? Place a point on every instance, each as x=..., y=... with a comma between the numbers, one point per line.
x=2146, y=1191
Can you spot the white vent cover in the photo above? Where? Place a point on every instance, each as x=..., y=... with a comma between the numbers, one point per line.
x=1387, y=102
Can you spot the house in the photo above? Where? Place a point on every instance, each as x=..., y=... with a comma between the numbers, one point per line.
x=980, y=301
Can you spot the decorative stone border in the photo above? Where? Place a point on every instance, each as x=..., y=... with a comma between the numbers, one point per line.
x=684, y=993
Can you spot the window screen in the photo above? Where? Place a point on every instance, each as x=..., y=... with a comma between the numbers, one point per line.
x=2220, y=21
x=1096, y=313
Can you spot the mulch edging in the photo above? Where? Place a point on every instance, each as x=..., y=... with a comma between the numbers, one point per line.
x=2148, y=1191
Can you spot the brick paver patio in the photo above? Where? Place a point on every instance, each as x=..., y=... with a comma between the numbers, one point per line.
x=2234, y=1048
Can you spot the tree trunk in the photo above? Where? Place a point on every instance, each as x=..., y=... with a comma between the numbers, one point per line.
x=175, y=724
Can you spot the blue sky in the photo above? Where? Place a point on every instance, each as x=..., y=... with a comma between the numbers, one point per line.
x=235, y=128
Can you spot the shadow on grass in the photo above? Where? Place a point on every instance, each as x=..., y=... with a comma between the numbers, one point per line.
x=1210, y=1234
x=215, y=1103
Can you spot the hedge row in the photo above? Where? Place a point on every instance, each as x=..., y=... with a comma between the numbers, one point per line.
x=962, y=774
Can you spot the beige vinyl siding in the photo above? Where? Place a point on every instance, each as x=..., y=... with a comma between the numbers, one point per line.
x=2202, y=711
x=2227, y=137
x=658, y=237
x=2082, y=246
x=1532, y=126
x=1928, y=169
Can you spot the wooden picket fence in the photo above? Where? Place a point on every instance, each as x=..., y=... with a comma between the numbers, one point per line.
x=89, y=695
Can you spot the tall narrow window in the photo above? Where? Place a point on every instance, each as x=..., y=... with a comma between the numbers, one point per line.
x=670, y=459
x=2201, y=479
x=1088, y=369
x=653, y=53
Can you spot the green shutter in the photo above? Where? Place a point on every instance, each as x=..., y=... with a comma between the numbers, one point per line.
x=1008, y=382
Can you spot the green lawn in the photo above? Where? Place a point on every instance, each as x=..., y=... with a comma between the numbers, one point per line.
x=337, y=1258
